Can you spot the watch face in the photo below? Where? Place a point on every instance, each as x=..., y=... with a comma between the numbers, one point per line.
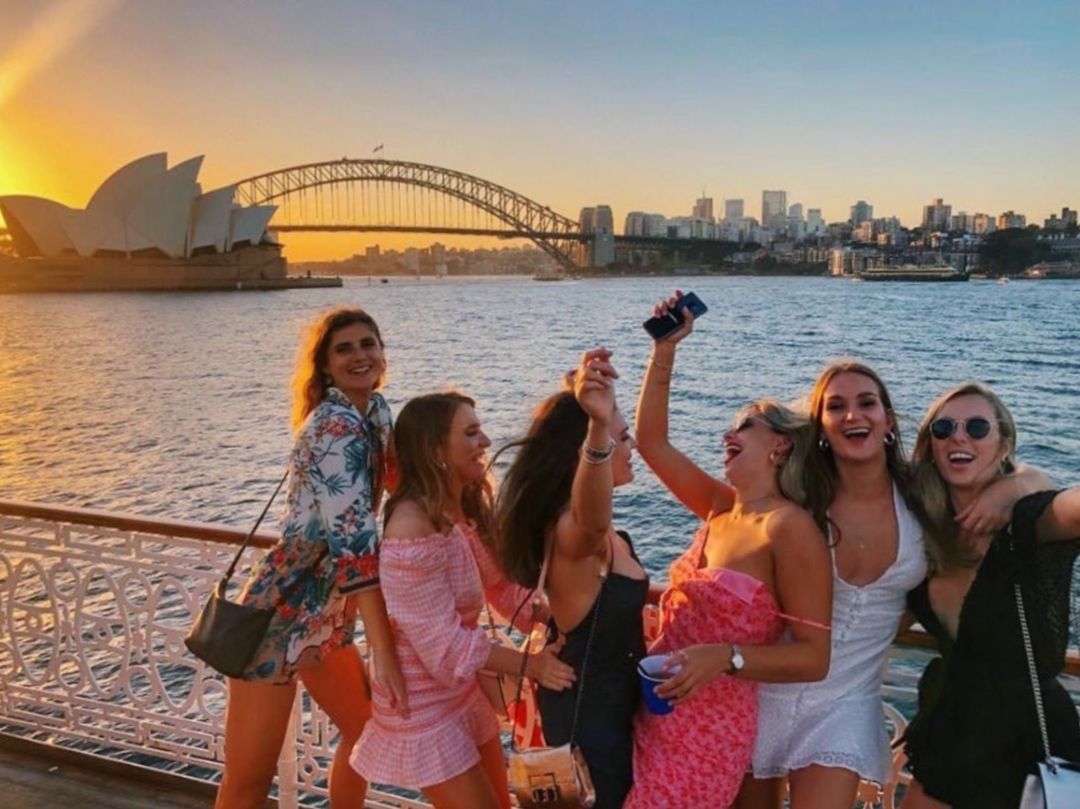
x=737, y=661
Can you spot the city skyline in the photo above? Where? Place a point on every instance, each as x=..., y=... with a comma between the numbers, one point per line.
x=830, y=104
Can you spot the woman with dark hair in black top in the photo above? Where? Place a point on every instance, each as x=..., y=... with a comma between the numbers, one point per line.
x=976, y=735
x=556, y=500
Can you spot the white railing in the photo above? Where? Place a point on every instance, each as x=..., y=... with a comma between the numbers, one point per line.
x=94, y=607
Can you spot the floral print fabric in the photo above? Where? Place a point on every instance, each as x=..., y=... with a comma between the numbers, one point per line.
x=329, y=541
x=697, y=755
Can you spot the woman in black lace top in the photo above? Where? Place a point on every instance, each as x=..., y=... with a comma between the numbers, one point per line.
x=976, y=737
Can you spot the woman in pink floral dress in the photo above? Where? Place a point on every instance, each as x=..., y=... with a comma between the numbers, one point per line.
x=436, y=571
x=757, y=567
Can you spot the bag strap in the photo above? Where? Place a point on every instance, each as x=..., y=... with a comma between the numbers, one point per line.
x=1035, y=687
x=588, y=644
x=251, y=534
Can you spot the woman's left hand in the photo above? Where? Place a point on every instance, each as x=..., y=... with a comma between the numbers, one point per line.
x=986, y=514
x=700, y=665
x=386, y=671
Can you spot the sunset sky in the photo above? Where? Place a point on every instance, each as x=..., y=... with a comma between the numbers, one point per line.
x=636, y=105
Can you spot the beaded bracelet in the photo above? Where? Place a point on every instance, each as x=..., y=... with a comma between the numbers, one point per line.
x=597, y=456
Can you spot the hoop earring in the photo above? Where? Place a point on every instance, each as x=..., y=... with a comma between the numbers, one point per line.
x=823, y=444
x=890, y=438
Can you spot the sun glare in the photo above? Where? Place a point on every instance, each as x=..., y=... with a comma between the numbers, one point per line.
x=55, y=31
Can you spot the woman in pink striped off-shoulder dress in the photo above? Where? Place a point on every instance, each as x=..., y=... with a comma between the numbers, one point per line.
x=436, y=572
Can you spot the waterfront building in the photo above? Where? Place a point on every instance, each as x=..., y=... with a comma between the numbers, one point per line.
x=815, y=223
x=773, y=208
x=1067, y=220
x=936, y=215
x=144, y=210
x=861, y=211
x=733, y=210
x=597, y=220
x=1011, y=219
x=703, y=209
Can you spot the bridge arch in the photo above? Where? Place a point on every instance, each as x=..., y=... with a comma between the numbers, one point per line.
x=557, y=235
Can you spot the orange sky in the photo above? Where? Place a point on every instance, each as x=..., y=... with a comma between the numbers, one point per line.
x=567, y=104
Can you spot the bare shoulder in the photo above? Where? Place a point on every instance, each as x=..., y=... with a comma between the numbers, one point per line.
x=791, y=524
x=409, y=521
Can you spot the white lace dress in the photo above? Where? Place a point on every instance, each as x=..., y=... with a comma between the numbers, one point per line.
x=839, y=721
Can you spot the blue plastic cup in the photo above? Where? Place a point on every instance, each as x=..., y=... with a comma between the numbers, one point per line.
x=651, y=672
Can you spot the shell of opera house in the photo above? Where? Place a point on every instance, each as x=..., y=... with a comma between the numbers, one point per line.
x=147, y=226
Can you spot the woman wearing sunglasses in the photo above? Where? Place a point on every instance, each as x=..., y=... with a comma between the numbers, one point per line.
x=757, y=566
x=825, y=737
x=976, y=735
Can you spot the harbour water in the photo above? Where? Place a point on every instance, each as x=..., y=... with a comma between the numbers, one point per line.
x=176, y=405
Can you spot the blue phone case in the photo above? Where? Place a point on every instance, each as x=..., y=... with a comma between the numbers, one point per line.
x=660, y=327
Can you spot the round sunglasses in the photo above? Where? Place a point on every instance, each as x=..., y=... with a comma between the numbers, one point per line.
x=976, y=427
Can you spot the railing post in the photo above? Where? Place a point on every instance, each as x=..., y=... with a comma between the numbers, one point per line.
x=287, y=767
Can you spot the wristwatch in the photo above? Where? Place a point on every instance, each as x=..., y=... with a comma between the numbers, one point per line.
x=735, y=665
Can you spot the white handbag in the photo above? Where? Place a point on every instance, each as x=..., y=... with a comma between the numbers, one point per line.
x=1057, y=784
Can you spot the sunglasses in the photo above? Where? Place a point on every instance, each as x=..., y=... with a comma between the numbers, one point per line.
x=976, y=427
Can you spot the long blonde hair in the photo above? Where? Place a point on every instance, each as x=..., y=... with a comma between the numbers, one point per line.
x=791, y=470
x=822, y=473
x=309, y=382
x=422, y=428
x=943, y=544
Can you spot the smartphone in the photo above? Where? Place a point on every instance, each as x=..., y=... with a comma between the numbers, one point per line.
x=660, y=327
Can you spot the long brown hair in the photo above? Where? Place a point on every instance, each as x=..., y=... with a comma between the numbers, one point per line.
x=422, y=428
x=537, y=486
x=309, y=382
x=943, y=544
x=822, y=473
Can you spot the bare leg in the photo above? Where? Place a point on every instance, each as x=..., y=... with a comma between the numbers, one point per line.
x=493, y=760
x=915, y=798
x=470, y=790
x=255, y=722
x=760, y=793
x=338, y=685
x=817, y=787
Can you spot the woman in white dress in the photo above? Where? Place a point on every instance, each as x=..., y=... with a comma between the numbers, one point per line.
x=826, y=736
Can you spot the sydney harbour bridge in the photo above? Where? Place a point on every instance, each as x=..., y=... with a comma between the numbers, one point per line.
x=395, y=196
x=378, y=195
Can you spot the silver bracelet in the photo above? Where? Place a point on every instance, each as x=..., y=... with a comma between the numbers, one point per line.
x=595, y=456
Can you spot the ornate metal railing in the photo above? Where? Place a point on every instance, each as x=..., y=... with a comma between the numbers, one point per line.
x=94, y=607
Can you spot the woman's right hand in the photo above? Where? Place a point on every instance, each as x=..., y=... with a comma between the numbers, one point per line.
x=667, y=305
x=545, y=668
x=594, y=385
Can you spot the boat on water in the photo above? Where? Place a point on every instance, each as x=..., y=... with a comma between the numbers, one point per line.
x=550, y=276
x=1053, y=270
x=914, y=272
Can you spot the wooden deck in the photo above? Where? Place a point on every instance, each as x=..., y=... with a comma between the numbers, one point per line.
x=29, y=779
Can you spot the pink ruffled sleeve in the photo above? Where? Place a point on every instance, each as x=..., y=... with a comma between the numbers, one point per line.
x=420, y=601
x=503, y=595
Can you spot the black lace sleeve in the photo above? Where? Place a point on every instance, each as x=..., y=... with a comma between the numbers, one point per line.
x=1049, y=567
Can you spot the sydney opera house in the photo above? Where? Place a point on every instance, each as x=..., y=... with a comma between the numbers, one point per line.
x=147, y=227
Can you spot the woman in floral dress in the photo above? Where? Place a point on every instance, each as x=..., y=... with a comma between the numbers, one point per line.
x=758, y=566
x=324, y=568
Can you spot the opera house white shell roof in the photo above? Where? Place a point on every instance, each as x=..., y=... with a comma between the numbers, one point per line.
x=145, y=208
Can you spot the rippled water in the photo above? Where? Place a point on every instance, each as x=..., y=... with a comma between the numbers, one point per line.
x=176, y=404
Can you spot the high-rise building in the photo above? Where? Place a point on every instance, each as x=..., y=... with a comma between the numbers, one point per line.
x=773, y=208
x=703, y=209
x=733, y=209
x=603, y=242
x=936, y=215
x=861, y=211
x=815, y=223
x=982, y=223
x=1011, y=219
